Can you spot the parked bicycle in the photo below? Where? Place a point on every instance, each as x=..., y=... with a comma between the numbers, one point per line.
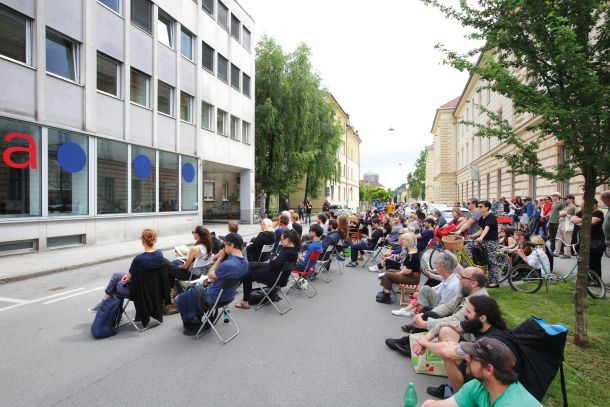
x=527, y=279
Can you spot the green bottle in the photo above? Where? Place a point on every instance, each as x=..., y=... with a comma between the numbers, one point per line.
x=410, y=396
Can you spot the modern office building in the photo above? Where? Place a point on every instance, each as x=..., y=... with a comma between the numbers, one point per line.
x=118, y=115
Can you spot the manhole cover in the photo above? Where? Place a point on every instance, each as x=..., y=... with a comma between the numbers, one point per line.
x=57, y=288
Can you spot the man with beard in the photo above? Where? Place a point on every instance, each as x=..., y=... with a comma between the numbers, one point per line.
x=472, y=283
x=482, y=319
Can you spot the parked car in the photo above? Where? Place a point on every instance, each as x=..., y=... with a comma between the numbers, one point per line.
x=338, y=210
x=448, y=215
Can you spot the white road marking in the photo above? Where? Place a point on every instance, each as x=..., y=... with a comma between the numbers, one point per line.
x=57, y=295
x=11, y=307
x=13, y=300
x=73, y=295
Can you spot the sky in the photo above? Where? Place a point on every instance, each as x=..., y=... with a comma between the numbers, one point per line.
x=378, y=59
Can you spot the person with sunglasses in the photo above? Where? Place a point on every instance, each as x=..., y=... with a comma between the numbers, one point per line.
x=471, y=224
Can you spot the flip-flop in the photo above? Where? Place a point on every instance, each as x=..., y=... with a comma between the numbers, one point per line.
x=241, y=305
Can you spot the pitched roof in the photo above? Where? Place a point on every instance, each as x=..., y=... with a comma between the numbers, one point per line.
x=453, y=103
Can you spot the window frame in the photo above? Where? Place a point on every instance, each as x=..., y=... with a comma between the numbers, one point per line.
x=213, y=65
x=235, y=67
x=239, y=25
x=234, y=119
x=118, y=64
x=133, y=70
x=211, y=110
x=245, y=132
x=208, y=198
x=120, y=6
x=247, y=46
x=189, y=107
x=148, y=30
x=28, y=58
x=225, y=192
x=219, y=58
x=171, y=98
x=75, y=54
x=243, y=84
x=192, y=50
x=220, y=5
x=210, y=12
x=221, y=130
x=171, y=29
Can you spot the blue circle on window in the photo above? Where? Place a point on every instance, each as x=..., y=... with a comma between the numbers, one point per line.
x=71, y=157
x=142, y=167
x=188, y=172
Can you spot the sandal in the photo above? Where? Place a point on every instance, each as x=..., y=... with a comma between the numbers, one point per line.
x=241, y=305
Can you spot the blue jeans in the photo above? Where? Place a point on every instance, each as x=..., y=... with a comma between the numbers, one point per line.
x=308, y=217
x=357, y=247
x=116, y=286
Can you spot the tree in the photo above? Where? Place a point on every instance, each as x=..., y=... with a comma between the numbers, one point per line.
x=416, y=180
x=296, y=131
x=368, y=193
x=551, y=58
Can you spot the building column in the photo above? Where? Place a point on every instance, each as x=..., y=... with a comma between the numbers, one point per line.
x=246, y=196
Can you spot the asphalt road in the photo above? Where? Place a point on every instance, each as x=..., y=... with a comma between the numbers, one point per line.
x=327, y=351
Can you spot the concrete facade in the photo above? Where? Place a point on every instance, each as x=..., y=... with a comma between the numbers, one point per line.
x=45, y=102
x=430, y=171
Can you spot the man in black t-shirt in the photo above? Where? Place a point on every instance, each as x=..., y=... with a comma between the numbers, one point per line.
x=598, y=242
x=488, y=237
x=374, y=234
x=482, y=319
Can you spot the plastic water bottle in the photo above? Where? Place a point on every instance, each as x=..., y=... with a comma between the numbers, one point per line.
x=410, y=396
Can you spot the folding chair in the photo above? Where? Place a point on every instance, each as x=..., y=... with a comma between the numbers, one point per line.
x=266, y=249
x=305, y=274
x=323, y=265
x=159, y=297
x=375, y=252
x=340, y=258
x=217, y=311
x=280, y=281
x=198, y=268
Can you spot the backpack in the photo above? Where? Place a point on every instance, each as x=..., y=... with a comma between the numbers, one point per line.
x=107, y=318
x=541, y=347
x=479, y=254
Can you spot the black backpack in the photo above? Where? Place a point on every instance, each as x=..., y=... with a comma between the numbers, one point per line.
x=107, y=318
x=479, y=254
x=541, y=348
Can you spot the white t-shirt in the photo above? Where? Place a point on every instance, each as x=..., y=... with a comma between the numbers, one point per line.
x=539, y=260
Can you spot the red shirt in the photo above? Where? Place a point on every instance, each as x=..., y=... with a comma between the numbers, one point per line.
x=546, y=209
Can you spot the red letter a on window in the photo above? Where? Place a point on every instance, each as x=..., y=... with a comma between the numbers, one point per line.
x=31, y=148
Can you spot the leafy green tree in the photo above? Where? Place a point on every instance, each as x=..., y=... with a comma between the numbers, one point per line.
x=551, y=58
x=416, y=180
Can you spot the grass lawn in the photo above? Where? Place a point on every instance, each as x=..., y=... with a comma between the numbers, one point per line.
x=586, y=370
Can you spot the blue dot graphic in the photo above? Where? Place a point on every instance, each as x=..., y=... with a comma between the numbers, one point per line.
x=188, y=172
x=71, y=157
x=142, y=167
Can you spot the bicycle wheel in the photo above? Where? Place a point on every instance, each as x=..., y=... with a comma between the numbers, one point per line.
x=505, y=266
x=607, y=251
x=525, y=279
x=434, y=255
x=595, y=286
x=424, y=259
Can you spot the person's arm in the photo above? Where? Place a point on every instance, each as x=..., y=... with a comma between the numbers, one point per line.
x=465, y=225
x=433, y=276
x=193, y=254
x=212, y=273
x=446, y=350
x=450, y=402
x=482, y=234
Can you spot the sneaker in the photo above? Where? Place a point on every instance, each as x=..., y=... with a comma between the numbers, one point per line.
x=380, y=275
x=97, y=307
x=404, y=349
x=351, y=264
x=555, y=255
x=373, y=268
x=384, y=299
x=395, y=343
x=438, y=392
x=403, y=313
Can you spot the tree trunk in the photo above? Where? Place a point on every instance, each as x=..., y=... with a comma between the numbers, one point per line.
x=580, y=295
x=306, y=186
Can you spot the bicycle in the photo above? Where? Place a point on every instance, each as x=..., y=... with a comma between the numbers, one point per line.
x=607, y=251
x=464, y=259
x=527, y=279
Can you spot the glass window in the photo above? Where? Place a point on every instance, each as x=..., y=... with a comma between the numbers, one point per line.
x=208, y=5
x=168, y=182
x=165, y=99
x=246, y=85
x=235, y=76
x=186, y=107
x=208, y=190
x=68, y=173
x=235, y=27
x=225, y=191
x=112, y=4
x=221, y=118
x=207, y=112
x=108, y=75
x=189, y=184
x=139, y=87
x=165, y=30
x=186, y=44
x=207, y=57
x=111, y=177
x=223, y=15
x=234, y=128
x=19, y=169
x=141, y=14
x=62, y=56
x=246, y=38
x=143, y=179
x=245, y=132
x=15, y=35
x=222, y=68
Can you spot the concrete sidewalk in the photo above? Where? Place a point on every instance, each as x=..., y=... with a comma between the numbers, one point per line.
x=29, y=265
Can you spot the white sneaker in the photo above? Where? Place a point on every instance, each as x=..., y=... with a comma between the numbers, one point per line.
x=373, y=268
x=403, y=313
x=380, y=275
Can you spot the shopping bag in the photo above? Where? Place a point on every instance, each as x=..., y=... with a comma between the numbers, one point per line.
x=428, y=363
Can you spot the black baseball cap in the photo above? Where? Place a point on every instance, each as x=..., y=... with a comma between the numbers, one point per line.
x=491, y=351
x=234, y=238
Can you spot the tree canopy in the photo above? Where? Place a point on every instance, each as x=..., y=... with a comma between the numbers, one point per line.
x=552, y=59
x=369, y=192
x=297, y=134
x=416, y=180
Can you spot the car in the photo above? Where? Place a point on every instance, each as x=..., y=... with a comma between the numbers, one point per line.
x=448, y=215
x=338, y=210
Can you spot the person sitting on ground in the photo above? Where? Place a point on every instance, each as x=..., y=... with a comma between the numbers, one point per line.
x=472, y=283
x=506, y=239
x=315, y=232
x=424, y=237
x=482, y=319
x=374, y=234
x=521, y=238
x=281, y=228
x=492, y=364
x=267, y=273
x=193, y=303
x=537, y=258
x=150, y=259
x=408, y=274
x=265, y=237
x=429, y=297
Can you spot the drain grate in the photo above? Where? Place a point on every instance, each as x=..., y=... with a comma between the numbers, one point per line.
x=57, y=288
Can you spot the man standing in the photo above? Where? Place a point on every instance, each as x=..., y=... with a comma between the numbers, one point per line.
x=565, y=229
x=492, y=364
x=606, y=201
x=553, y=221
x=488, y=237
x=325, y=206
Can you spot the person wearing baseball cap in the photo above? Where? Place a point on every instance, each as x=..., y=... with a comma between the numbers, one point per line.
x=492, y=363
